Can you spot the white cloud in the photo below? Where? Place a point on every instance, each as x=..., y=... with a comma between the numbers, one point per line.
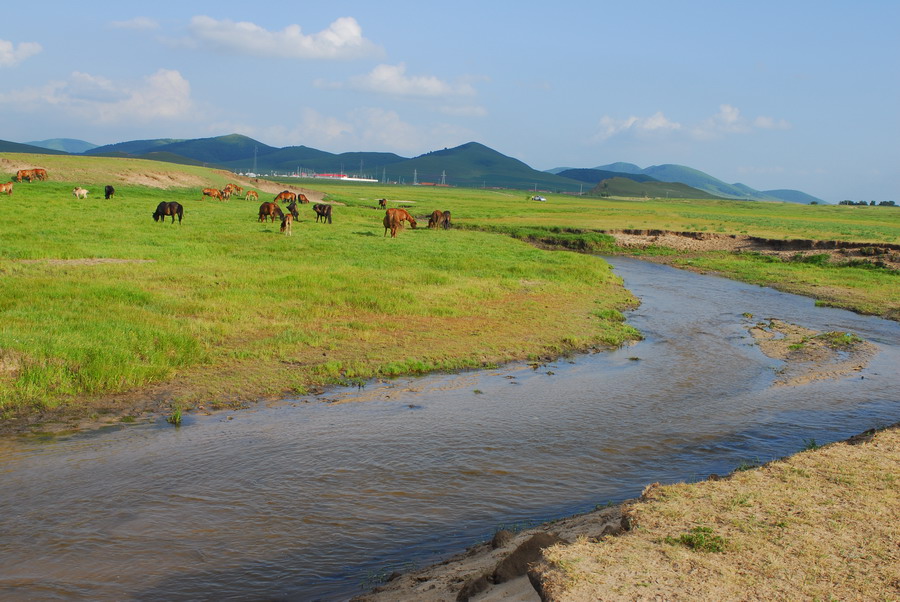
x=11, y=55
x=657, y=122
x=342, y=39
x=138, y=23
x=393, y=80
x=730, y=121
x=161, y=95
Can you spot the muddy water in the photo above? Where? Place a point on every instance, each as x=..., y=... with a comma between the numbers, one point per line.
x=316, y=498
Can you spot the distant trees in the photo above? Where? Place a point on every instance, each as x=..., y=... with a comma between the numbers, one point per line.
x=870, y=203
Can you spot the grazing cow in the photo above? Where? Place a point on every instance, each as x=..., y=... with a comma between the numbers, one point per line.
x=292, y=207
x=324, y=212
x=286, y=223
x=436, y=219
x=270, y=210
x=252, y=195
x=171, y=208
x=7, y=188
x=226, y=193
x=382, y=203
x=285, y=196
x=40, y=174
x=213, y=193
x=109, y=192
x=80, y=193
x=447, y=222
x=301, y=198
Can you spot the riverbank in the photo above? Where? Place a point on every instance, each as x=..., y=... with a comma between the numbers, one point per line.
x=820, y=524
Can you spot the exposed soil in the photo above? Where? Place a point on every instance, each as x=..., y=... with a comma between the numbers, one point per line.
x=697, y=242
x=809, y=355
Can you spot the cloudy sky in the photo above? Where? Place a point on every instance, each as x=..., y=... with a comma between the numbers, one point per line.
x=774, y=94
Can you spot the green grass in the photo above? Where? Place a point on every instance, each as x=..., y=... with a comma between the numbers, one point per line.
x=226, y=306
x=700, y=539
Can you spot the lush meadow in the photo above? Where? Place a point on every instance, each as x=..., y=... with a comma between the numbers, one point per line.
x=97, y=299
x=223, y=308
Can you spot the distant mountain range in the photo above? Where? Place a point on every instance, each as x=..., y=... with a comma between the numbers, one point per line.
x=471, y=165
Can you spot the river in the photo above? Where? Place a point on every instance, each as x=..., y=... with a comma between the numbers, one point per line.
x=316, y=498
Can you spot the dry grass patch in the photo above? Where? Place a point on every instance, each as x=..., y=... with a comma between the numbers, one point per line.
x=820, y=525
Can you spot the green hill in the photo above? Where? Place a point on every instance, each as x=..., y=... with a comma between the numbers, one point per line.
x=475, y=165
x=131, y=148
x=66, y=145
x=594, y=176
x=17, y=147
x=625, y=187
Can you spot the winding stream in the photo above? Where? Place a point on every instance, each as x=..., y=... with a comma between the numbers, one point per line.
x=311, y=500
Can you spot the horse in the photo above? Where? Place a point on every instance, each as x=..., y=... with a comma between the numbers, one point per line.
x=252, y=195
x=323, y=211
x=403, y=214
x=40, y=173
x=226, y=193
x=7, y=188
x=109, y=192
x=382, y=203
x=436, y=220
x=301, y=198
x=270, y=210
x=213, y=193
x=286, y=223
x=285, y=196
x=79, y=192
x=447, y=222
x=25, y=174
x=233, y=189
x=392, y=223
x=171, y=208
x=292, y=208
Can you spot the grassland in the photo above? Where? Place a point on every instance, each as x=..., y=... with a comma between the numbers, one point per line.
x=97, y=300
x=819, y=525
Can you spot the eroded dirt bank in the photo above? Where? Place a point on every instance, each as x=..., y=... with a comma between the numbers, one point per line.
x=885, y=253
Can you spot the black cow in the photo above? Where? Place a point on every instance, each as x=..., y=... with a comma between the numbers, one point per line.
x=109, y=192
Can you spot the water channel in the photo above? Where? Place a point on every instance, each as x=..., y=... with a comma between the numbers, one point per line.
x=314, y=498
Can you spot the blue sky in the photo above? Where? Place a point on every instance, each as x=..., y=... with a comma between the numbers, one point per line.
x=802, y=95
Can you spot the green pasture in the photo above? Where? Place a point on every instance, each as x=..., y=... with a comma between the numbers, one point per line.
x=227, y=308
x=96, y=298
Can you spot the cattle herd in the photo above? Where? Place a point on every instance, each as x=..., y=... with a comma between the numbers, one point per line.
x=393, y=218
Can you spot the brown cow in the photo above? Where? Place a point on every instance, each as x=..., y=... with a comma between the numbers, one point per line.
x=7, y=188
x=213, y=193
x=270, y=210
x=40, y=174
x=301, y=198
x=286, y=223
x=436, y=219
